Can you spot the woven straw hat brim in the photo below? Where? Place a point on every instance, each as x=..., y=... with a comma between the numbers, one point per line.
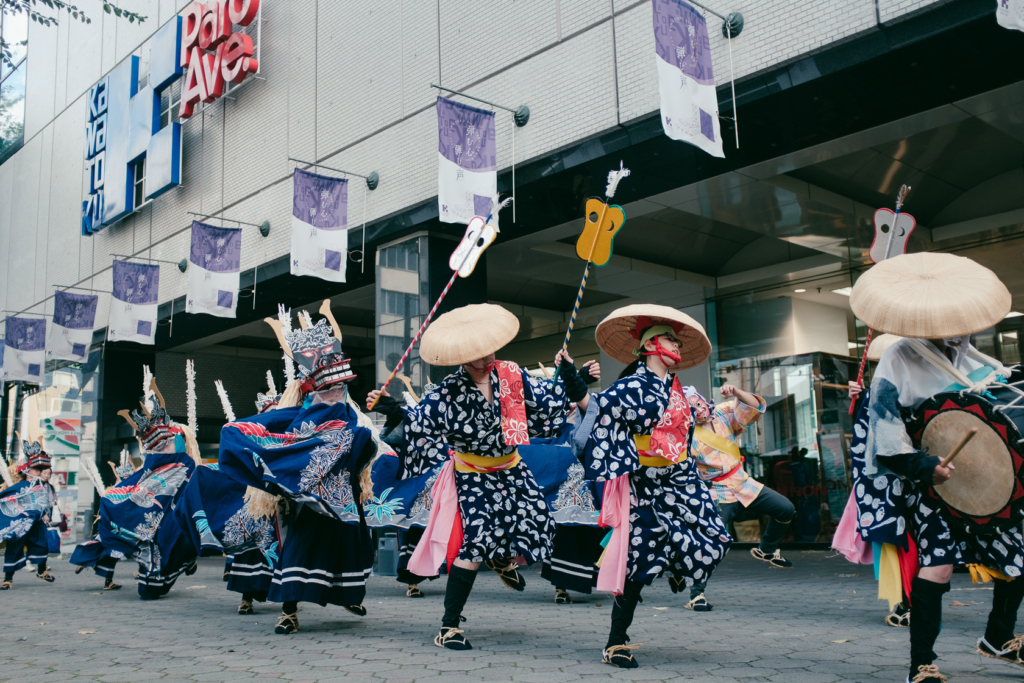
x=930, y=296
x=468, y=334
x=879, y=344
x=614, y=334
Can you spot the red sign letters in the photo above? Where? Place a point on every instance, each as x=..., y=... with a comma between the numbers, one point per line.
x=212, y=53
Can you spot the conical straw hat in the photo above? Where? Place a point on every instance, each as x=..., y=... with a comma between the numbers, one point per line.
x=879, y=344
x=616, y=335
x=930, y=296
x=468, y=334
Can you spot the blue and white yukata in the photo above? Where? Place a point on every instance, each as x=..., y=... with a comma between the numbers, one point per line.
x=22, y=508
x=503, y=513
x=131, y=515
x=901, y=382
x=215, y=520
x=674, y=523
x=312, y=456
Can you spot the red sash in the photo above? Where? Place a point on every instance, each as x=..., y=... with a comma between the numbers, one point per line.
x=671, y=437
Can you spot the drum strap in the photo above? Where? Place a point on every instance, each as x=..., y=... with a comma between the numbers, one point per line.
x=942, y=363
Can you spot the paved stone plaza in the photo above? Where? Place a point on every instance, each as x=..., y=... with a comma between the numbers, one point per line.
x=817, y=623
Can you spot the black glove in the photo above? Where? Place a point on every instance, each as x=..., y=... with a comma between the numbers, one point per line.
x=586, y=376
x=575, y=387
x=391, y=410
x=917, y=467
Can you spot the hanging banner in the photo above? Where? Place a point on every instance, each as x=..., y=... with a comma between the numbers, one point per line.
x=689, y=102
x=216, y=258
x=319, y=226
x=467, y=177
x=133, y=302
x=1010, y=14
x=25, y=354
x=70, y=334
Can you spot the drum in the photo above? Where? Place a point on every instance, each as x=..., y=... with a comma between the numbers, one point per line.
x=985, y=494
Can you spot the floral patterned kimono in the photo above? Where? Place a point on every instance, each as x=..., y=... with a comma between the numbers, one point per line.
x=312, y=456
x=215, y=520
x=132, y=513
x=503, y=512
x=673, y=523
x=22, y=508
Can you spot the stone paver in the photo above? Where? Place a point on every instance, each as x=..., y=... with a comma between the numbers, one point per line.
x=768, y=625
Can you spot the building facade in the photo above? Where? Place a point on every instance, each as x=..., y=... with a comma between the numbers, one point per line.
x=839, y=103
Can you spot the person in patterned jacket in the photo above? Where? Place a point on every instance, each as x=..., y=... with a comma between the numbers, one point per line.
x=721, y=467
x=25, y=509
x=935, y=301
x=639, y=434
x=484, y=494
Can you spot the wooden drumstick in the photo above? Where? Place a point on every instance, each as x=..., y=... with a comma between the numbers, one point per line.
x=956, y=449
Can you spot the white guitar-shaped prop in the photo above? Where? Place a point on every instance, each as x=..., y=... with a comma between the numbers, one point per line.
x=479, y=235
x=892, y=230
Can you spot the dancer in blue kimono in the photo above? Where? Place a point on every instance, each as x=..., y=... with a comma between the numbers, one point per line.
x=132, y=512
x=314, y=450
x=136, y=517
x=25, y=509
x=93, y=553
x=218, y=517
x=662, y=516
x=487, y=506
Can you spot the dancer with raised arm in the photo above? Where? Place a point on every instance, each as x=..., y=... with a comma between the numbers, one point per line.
x=487, y=506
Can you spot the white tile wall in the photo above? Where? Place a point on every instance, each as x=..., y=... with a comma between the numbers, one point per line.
x=348, y=84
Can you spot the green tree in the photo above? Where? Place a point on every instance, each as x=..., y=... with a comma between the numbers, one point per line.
x=29, y=7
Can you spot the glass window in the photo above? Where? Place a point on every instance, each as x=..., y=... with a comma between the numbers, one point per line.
x=15, y=32
x=140, y=182
x=12, y=112
x=170, y=101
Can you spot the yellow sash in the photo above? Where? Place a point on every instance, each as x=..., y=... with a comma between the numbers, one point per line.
x=643, y=444
x=719, y=443
x=467, y=462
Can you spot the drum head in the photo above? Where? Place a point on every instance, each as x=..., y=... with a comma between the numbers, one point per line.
x=982, y=481
x=985, y=494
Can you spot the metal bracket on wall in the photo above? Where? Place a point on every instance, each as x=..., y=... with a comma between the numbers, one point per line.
x=520, y=114
x=264, y=226
x=732, y=25
x=182, y=264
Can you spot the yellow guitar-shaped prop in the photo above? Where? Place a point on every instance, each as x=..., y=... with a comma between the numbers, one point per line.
x=603, y=221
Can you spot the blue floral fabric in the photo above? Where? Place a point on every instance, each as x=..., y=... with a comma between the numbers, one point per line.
x=132, y=511
x=309, y=455
x=22, y=508
x=215, y=520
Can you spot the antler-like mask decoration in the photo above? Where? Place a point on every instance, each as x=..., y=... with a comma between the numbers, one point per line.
x=265, y=402
x=154, y=426
x=317, y=351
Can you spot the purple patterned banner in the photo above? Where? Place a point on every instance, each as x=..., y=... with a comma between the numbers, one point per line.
x=218, y=250
x=466, y=135
x=681, y=39
x=75, y=311
x=136, y=283
x=320, y=200
x=25, y=334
